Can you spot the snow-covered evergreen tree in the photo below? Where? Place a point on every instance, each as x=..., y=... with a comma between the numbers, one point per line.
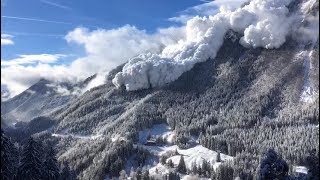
x=31, y=167
x=66, y=173
x=273, y=167
x=312, y=163
x=9, y=158
x=182, y=166
x=218, y=159
x=51, y=166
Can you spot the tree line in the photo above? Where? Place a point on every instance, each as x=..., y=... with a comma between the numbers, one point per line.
x=31, y=161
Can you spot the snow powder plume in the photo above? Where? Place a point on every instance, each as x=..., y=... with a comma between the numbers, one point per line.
x=97, y=81
x=263, y=23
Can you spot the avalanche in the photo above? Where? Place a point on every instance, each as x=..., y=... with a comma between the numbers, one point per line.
x=263, y=23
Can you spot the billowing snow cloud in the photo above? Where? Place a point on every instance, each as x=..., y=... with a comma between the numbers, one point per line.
x=108, y=48
x=97, y=81
x=6, y=39
x=207, y=9
x=308, y=30
x=159, y=58
x=263, y=23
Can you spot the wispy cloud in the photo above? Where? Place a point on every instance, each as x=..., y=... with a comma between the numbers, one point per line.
x=32, y=59
x=35, y=19
x=15, y=33
x=55, y=4
x=46, y=21
x=6, y=39
x=205, y=9
x=181, y=19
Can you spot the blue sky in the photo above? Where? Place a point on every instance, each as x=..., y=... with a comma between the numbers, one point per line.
x=70, y=40
x=34, y=37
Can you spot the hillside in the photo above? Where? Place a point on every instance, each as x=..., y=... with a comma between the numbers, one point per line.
x=225, y=93
x=245, y=100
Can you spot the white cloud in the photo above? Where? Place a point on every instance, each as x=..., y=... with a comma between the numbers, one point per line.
x=32, y=59
x=105, y=50
x=6, y=39
x=18, y=78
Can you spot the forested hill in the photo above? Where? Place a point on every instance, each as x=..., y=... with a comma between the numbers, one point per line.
x=241, y=103
x=255, y=109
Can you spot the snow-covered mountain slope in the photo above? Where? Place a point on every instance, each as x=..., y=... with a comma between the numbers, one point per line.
x=235, y=99
x=241, y=101
x=42, y=98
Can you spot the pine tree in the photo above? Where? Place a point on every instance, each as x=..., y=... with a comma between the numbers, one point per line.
x=123, y=175
x=170, y=163
x=312, y=163
x=51, y=166
x=218, y=159
x=194, y=168
x=66, y=173
x=182, y=166
x=132, y=173
x=163, y=159
x=172, y=176
x=176, y=152
x=9, y=158
x=31, y=165
x=139, y=174
x=224, y=172
x=273, y=166
x=145, y=175
x=205, y=168
x=213, y=175
x=116, y=167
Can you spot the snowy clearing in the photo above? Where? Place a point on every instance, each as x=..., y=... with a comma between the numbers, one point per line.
x=195, y=154
x=158, y=130
x=300, y=169
x=193, y=177
x=92, y=137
